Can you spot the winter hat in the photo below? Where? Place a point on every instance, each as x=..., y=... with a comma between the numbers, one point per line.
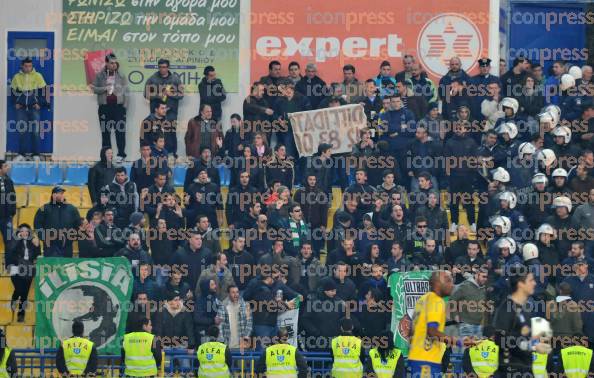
x=136, y=218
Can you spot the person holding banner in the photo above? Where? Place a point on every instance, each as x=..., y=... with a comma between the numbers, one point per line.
x=77, y=355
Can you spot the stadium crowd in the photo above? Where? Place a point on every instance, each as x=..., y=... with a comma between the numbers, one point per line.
x=514, y=151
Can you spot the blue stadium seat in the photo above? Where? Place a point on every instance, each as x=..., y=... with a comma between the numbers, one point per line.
x=23, y=173
x=49, y=174
x=179, y=175
x=77, y=175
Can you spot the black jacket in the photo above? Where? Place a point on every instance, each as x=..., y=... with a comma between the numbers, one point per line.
x=209, y=204
x=314, y=205
x=461, y=149
x=16, y=256
x=56, y=216
x=177, y=328
x=314, y=89
x=323, y=170
x=7, y=198
x=242, y=266
x=322, y=315
x=254, y=112
x=191, y=263
x=109, y=239
x=143, y=174
x=154, y=198
x=282, y=170
x=212, y=93
x=238, y=200
x=195, y=167
x=100, y=175
x=124, y=199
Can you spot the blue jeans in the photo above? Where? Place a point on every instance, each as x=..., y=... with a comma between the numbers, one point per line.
x=263, y=335
x=27, y=125
x=183, y=362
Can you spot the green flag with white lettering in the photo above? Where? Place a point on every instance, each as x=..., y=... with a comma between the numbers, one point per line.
x=94, y=291
x=406, y=288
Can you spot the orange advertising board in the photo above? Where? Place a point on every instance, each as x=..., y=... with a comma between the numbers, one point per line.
x=333, y=33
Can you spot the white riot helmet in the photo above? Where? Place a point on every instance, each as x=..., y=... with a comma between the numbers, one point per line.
x=508, y=128
x=554, y=110
x=562, y=131
x=507, y=242
x=526, y=148
x=562, y=201
x=548, y=118
x=545, y=228
x=510, y=198
x=529, y=251
x=576, y=72
x=540, y=178
x=510, y=102
x=559, y=172
x=567, y=82
x=546, y=157
x=500, y=174
x=503, y=222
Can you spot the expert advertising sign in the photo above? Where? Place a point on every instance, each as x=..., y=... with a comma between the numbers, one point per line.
x=334, y=33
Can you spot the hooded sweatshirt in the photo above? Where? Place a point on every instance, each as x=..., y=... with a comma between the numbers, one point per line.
x=27, y=88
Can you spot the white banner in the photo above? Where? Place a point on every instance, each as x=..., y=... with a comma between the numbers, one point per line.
x=338, y=126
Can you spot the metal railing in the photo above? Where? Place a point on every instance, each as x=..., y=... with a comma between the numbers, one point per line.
x=36, y=363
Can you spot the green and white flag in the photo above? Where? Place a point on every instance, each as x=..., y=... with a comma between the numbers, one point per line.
x=406, y=288
x=94, y=291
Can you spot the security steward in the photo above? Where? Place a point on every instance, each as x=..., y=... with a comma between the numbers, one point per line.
x=482, y=360
x=574, y=361
x=141, y=351
x=385, y=360
x=214, y=358
x=281, y=359
x=77, y=356
x=8, y=365
x=347, y=353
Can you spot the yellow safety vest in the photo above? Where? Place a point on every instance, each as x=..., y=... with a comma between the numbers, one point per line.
x=77, y=351
x=484, y=358
x=539, y=365
x=576, y=361
x=3, y=362
x=346, y=351
x=139, y=361
x=280, y=361
x=211, y=356
x=384, y=369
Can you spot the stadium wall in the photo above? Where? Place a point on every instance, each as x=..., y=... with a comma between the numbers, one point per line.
x=39, y=15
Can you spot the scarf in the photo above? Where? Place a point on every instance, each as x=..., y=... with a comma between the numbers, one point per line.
x=296, y=231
